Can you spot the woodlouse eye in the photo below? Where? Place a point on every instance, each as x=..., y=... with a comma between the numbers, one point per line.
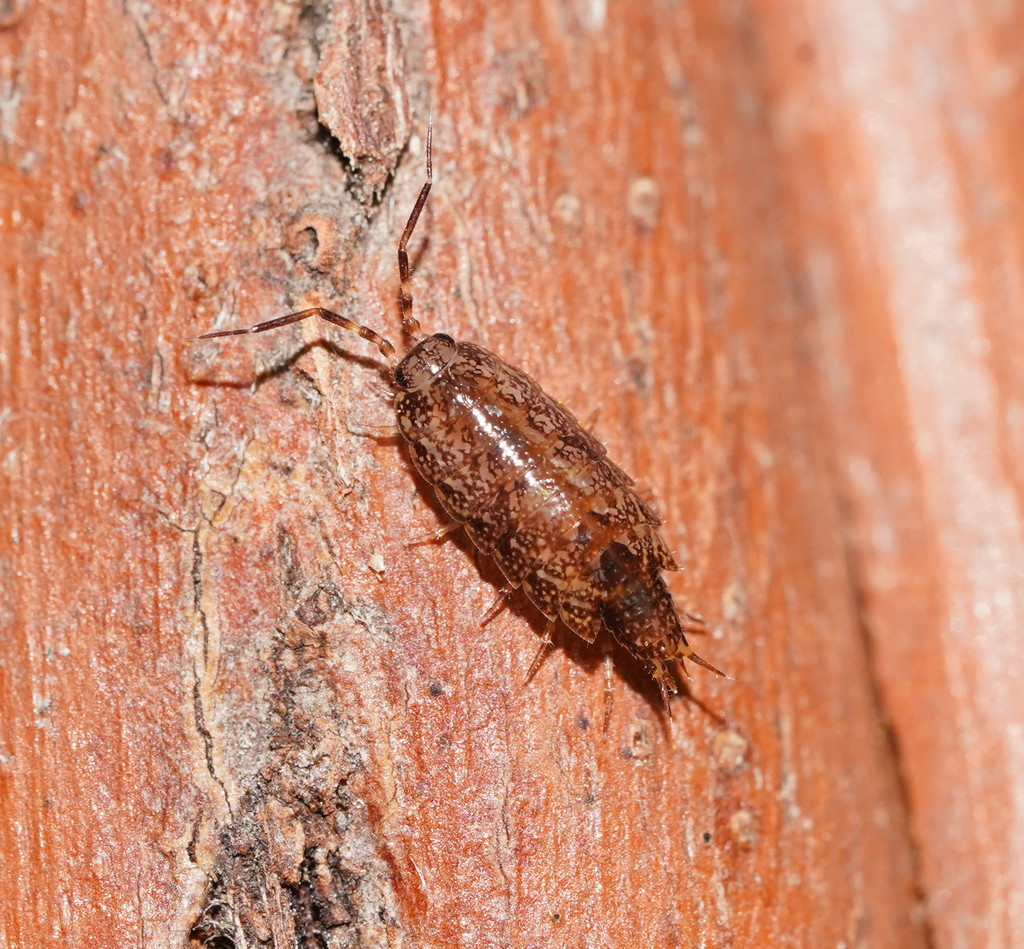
x=425, y=361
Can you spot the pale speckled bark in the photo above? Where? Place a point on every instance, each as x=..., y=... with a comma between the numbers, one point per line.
x=781, y=267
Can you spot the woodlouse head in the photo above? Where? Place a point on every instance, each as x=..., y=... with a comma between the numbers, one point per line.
x=425, y=361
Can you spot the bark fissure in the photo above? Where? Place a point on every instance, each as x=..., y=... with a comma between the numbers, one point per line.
x=897, y=762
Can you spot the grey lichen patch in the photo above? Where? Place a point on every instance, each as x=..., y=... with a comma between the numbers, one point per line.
x=644, y=202
x=730, y=750
x=217, y=927
x=744, y=828
x=321, y=605
x=638, y=746
x=305, y=873
x=300, y=862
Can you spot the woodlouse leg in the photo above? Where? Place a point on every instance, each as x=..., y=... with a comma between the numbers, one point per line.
x=662, y=678
x=380, y=432
x=542, y=652
x=498, y=604
x=412, y=326
x=378, y=388
x=609, y=688
x=435, y=536
x=384, y=345
x=693, y=623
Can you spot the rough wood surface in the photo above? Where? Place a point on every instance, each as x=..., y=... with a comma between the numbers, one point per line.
x=775, y=247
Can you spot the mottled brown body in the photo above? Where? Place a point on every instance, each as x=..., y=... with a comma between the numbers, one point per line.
x=538, y=493
x=531, y=487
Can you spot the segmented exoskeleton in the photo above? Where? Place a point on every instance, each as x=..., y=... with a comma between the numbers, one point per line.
x=530, y=486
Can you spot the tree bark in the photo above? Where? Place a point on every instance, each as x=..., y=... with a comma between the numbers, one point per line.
x=770, y=252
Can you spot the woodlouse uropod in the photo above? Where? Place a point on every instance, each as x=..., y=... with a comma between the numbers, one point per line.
x=531, y=487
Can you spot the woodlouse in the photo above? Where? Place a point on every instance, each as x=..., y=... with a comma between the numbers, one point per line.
x=531, y=487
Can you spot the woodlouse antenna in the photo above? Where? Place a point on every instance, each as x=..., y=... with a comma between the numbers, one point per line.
x=384, y=345
x=409, y=322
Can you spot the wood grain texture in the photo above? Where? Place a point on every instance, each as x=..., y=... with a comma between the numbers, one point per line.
x=906, y=225
x=776, y=249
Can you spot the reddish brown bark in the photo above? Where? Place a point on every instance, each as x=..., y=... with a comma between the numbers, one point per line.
x=781, y=264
